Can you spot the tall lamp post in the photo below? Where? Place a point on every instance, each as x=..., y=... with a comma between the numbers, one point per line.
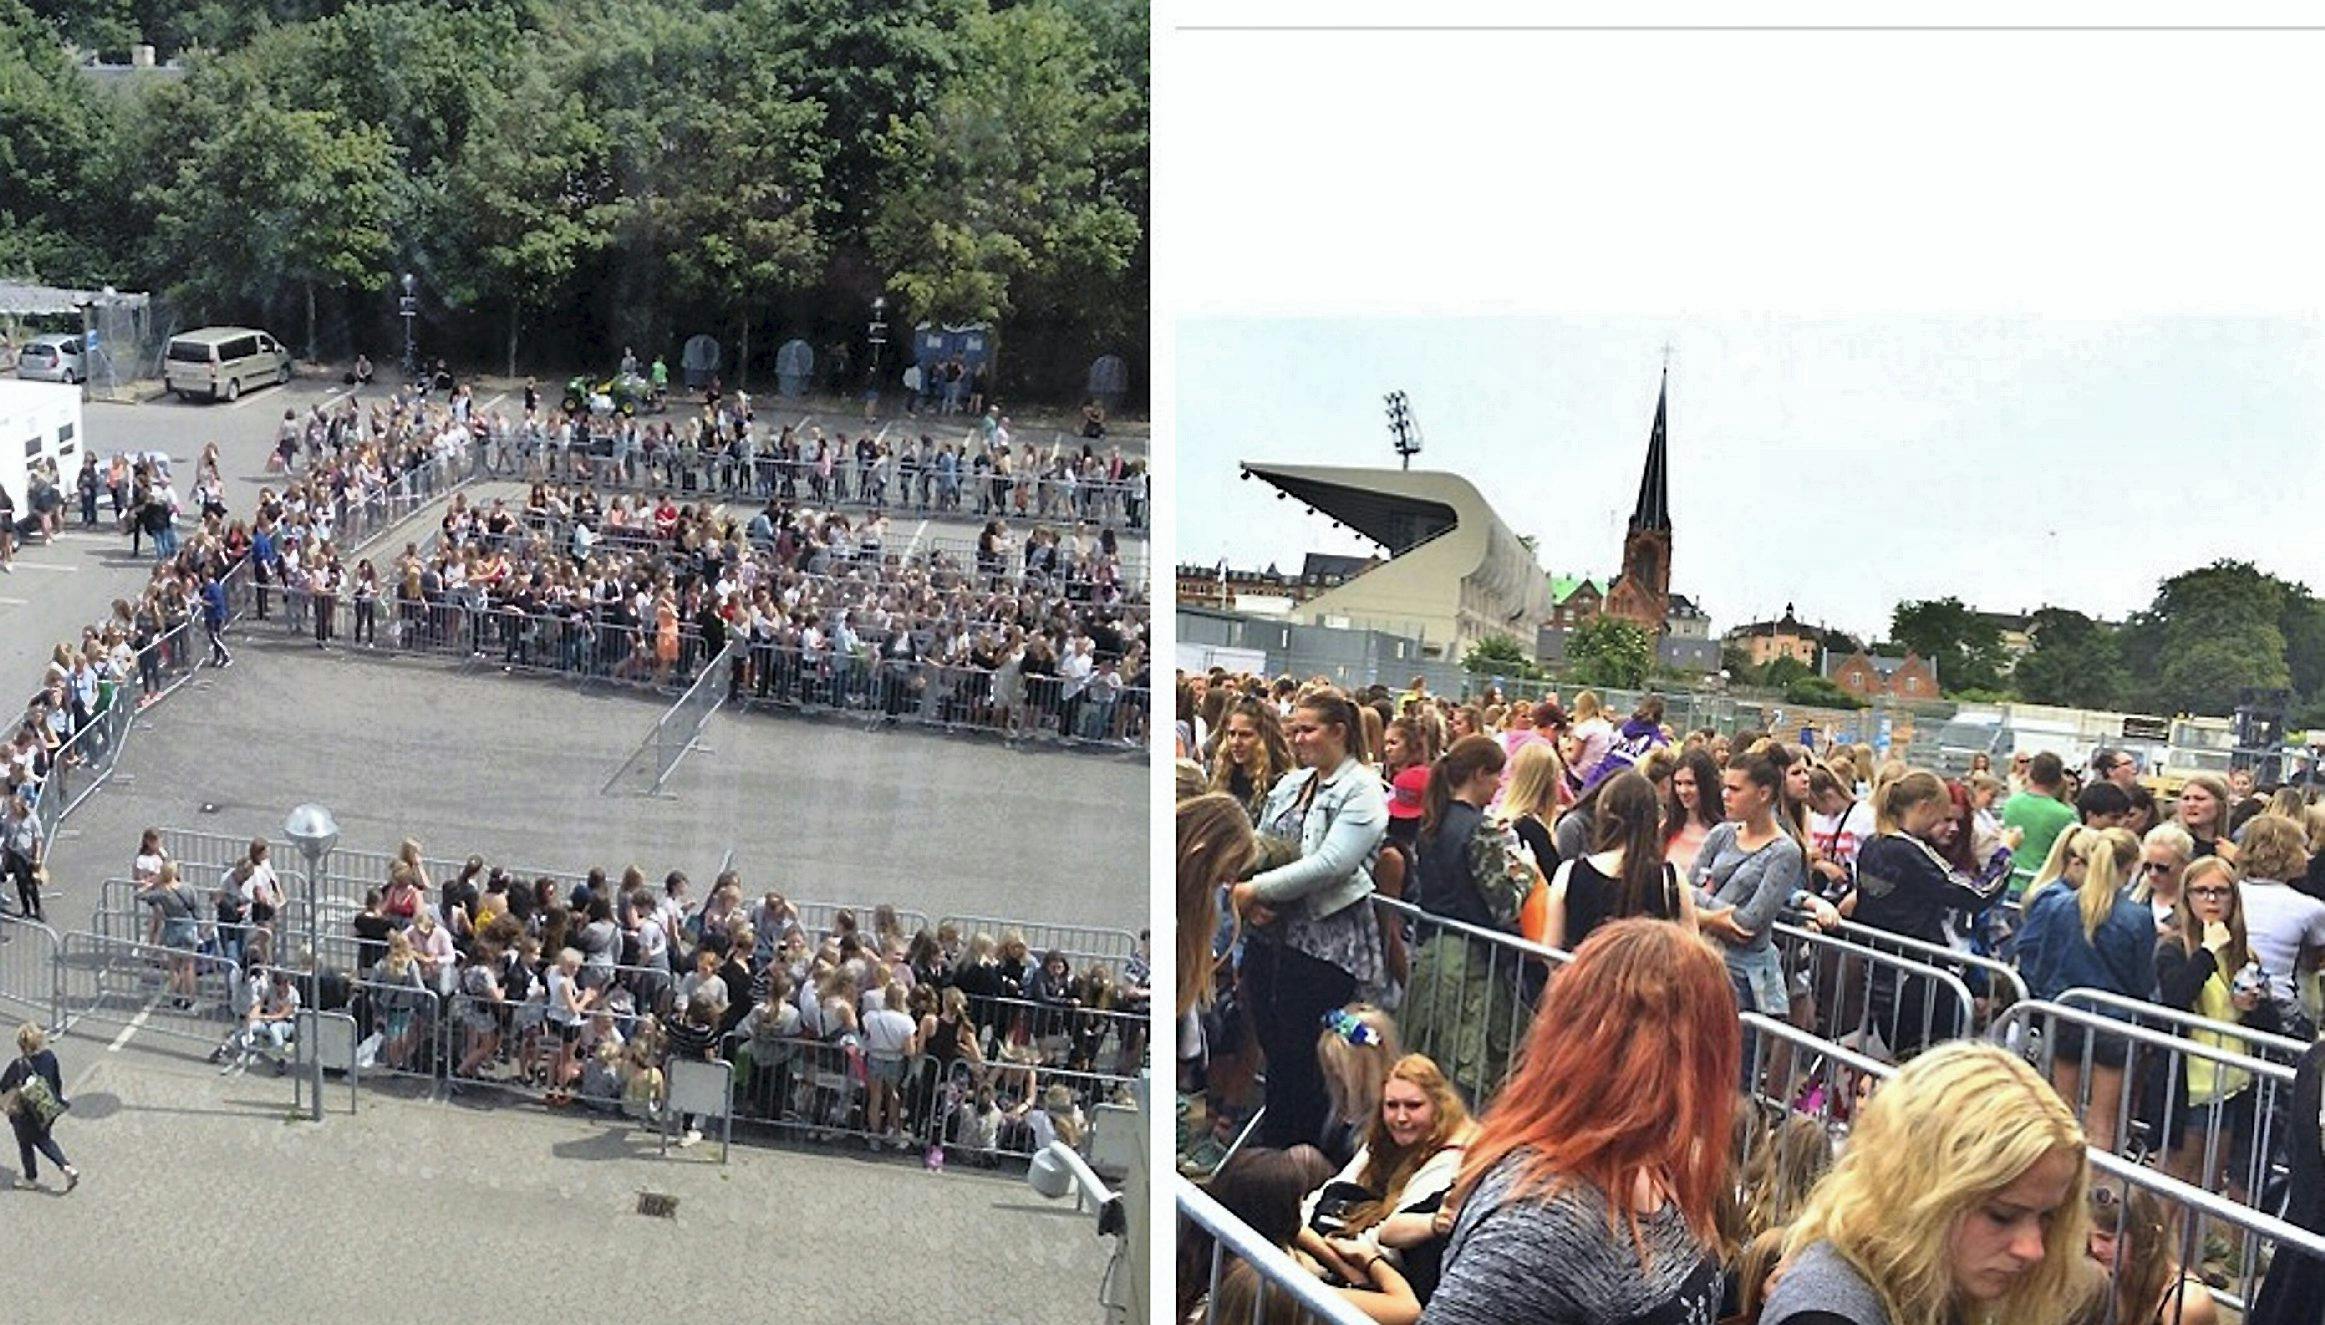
x=409, y=307
x=312, y=829
x=877, y=333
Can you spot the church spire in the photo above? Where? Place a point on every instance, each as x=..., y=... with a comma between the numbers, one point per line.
x=1654, y=508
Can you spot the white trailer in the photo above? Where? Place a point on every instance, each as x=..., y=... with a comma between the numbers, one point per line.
x=38, y=420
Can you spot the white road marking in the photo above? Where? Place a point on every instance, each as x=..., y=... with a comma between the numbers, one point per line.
x=21, y=564
x=910, y=547
x=492, y=402
x=136, y=1024
x=11, y=602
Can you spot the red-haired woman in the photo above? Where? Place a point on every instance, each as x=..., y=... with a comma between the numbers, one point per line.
x=1589, y=1193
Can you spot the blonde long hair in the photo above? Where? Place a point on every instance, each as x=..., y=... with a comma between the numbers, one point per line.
x=1956, y=1125
x=2111, y=854
x=1536, y=775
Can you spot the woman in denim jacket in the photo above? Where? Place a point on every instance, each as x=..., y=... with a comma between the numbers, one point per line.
x=1312, y=947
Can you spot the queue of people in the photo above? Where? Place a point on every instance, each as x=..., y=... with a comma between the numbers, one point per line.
x=1361, y=875
x=853, y=1027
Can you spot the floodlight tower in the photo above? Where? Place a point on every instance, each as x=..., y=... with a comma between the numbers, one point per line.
x=1405, y=432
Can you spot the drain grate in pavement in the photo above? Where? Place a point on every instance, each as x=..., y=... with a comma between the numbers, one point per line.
x=658, y=1205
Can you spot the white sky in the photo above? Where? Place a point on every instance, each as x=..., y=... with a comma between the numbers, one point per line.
x=1842, y=463
x=2020, y=316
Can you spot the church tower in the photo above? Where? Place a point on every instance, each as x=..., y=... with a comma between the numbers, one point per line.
x=1642, y=593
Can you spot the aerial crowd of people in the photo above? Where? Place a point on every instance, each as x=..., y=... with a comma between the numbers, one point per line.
x=578, y=991
x=1504, y=1011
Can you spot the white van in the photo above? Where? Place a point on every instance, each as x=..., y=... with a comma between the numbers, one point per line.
x=220, y=361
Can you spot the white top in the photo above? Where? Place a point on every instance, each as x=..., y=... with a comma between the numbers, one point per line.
x=2280, y=921
x=887, y=1031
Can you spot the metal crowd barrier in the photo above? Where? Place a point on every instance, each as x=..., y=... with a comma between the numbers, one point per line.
x=1082, y=942
x=165, y=991
x=941, y=695
x=86, y=759
x=1471, y=1021
x=31, y=974
x=819, y=919
x=1061, y=1035
x=1277, y=1271
x=2002, y=983
x=1881, y=998
x=2139, y=1012
x=678, y=729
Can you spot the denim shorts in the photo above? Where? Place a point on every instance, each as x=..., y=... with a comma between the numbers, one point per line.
x=1760, y=985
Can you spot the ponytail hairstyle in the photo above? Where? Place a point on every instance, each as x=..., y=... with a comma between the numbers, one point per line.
x=1901, y=793
x=1823, y=781
x=1766, y=774
x=1334, y=709
x=2054, y=865
x=2111, y=853
x=1630, y=820
x=1420, y=744
x=1470, y=756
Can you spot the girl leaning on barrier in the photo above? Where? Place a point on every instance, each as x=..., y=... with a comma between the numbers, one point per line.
x=1462, y=1004
x=1907, y=887
x=1960, y=1197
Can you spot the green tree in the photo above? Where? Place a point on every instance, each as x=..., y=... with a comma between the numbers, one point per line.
x=535, y=198
x=2075, y=662
x=56, y=139
x=1817, y=692
x=1608, y=651
x=745, y=226
x=266, y=200
x=2210, y=632
x=1500, y=655
x=998, y=199
x=1965, y=647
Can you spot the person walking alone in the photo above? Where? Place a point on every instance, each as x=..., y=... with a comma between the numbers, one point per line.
x=35, y=1092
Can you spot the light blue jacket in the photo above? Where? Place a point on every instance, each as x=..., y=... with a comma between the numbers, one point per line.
x=1339, y=838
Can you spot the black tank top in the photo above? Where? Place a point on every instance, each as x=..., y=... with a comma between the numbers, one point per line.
x=1593, y=899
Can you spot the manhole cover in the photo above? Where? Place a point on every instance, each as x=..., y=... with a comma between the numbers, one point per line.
x=658, y=1205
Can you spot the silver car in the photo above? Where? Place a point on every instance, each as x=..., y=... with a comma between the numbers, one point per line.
x=52, y=359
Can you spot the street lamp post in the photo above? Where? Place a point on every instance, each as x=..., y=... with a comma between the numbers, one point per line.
x=409, y=308
x=878, y=334
x=312, y=829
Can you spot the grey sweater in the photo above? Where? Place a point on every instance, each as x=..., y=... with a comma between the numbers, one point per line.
x=1756, y=883
x=1556, y=1261
x=1822, y=1286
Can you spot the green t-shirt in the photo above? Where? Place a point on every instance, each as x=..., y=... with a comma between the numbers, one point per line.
x=2042, y=818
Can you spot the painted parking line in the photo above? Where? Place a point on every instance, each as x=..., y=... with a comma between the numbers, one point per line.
x=136, y=1024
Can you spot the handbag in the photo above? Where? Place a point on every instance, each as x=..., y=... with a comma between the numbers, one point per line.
x=36, y=1103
